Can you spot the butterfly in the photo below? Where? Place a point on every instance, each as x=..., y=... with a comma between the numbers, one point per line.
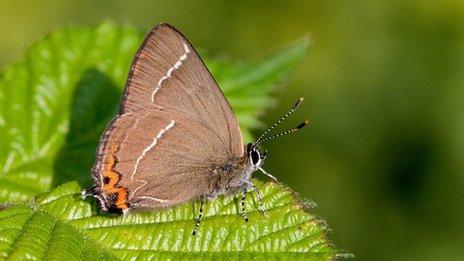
x=176, y=138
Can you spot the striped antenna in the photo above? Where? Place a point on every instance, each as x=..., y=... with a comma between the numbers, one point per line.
x=297, y=104
x=284, y=133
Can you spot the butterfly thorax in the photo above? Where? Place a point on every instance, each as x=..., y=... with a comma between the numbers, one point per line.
x=234, y=175
x=231, y=176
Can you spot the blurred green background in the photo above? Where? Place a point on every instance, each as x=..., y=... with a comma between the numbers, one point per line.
x=384, y=89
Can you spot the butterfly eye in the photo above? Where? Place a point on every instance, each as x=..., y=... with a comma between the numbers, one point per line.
x=255, y=158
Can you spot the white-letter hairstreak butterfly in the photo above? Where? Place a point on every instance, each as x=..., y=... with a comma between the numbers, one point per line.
x=176, y=137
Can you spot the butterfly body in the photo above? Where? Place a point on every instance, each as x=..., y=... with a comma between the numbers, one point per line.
x=231, y=177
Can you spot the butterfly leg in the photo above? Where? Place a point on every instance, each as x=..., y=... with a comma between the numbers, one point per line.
x=269, y=175
x=259, y=195
x=244, y=214
x=200, y=215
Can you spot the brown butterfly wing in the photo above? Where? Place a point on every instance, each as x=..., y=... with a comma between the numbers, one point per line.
x=163, y=158
x=168, y=73
x=174, y=126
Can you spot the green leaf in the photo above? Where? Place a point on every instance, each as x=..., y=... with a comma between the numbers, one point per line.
x=54, y=105
x=59, y=225
x=56, y=102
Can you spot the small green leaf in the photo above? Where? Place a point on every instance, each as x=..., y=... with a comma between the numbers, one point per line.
x=56, y=102
x=59, y=224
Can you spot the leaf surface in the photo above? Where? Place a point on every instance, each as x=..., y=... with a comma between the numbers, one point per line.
x=59, y=224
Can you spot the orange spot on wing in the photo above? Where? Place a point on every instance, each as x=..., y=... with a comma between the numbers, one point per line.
x=111, y=179
x=121, y=198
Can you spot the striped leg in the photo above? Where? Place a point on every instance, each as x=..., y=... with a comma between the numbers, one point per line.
x=202, y=203
x=244, y=214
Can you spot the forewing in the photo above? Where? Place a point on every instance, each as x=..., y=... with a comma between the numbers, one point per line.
x=168, y=74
